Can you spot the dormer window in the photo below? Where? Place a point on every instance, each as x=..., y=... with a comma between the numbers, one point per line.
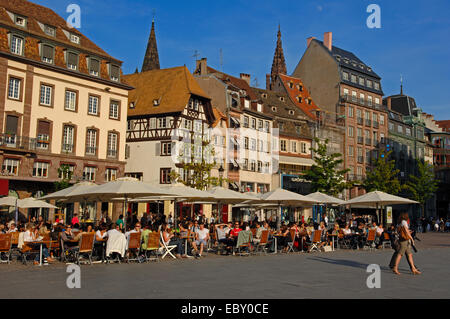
x=291, y=85
x=132, y=105
x=72, y=60
x=291, y=112
x=47, y=53
x=274, y=108
x=16, y=45
x=115, y=72
x=94, y=67
x=300, y=87
x=376, y=85
x=281, y=98
x=49, y=30
x=20, y=21
x=299, y=99
x=74, y=38
x=156, y=102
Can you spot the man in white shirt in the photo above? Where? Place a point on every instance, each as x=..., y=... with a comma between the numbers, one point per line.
x=201, y=238
x=12, y=228
x=136, y=229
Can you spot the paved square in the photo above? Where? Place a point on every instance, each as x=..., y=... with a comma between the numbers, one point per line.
x=340, y=274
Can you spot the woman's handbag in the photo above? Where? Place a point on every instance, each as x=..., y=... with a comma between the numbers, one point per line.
x=403, y=235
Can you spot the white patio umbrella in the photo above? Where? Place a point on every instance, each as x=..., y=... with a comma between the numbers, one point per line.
x=125, y=187
x=376, y=199
x=284, y=197
x=227, y=196
x=12, y=202
x=64, y=193
x=325, y=199
x=29, y=202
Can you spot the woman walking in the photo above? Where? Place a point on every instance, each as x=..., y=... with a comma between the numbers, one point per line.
x=405, y=242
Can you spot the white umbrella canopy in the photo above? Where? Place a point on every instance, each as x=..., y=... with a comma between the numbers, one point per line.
x=325, y=199
x=189, y=193
x=31, y=202
x=285, y=197
x=8, y=201
x=228, y=196
x=67, y=192
x=122, y=187
x=377, y=198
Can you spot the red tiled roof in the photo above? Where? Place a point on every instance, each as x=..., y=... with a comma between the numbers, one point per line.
x=294, y=93
x=237, y=82
x=34, y=13
x=445, y=125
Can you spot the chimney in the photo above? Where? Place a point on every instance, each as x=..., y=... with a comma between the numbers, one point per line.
x=308, y=41
x=328, y=40
x=245, y=77
x=388, y=102
x=201, y=66
x=268, y=85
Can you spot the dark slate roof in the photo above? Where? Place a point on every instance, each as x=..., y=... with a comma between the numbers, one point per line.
x=403, y=104
x=348, y=60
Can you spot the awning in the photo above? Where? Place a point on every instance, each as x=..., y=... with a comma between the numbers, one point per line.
x=290, y=160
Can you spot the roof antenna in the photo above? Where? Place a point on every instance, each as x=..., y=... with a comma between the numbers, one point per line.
x=401, y=84
x=255, y=82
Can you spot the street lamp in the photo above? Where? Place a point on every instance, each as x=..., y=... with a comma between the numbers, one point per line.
x=219, y=207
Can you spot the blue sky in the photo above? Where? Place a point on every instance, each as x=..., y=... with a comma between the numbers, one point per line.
x=413, y=39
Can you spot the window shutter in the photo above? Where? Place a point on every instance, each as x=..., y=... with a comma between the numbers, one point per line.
x=11, y=124
x=47, y=52
x=114, y=71
x=95, y=65
x=43, y=127
x=157, y=149
x=72, y=58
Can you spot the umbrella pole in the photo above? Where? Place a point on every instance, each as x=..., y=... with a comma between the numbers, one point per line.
x=17, y=212
x=279, y=216
x=175, y=213
x=125, y=215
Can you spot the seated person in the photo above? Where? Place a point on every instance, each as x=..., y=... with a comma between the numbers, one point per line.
x=235, y=232
x=69, y=240
x=259, y=230
x=12, y=228
x=100, y=239
x=31, y=235
x=170, y=239
x=360, y=233
x=282, y=237
x=223, y=237
x=201, y=238
x=136, y=229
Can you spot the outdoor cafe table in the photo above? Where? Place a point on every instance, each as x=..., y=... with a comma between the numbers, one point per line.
x=332, y=238
x=186, y=238
x=41, y=243
x=276, y=242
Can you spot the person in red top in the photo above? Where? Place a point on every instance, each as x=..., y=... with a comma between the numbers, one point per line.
x=235, y=231
x=75, y=219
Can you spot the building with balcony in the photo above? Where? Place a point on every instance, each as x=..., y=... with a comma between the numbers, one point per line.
x=349, y=92
x=62, y=103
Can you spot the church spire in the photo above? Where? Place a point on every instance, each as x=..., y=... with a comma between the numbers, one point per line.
x=151, y=59
x=279, y=64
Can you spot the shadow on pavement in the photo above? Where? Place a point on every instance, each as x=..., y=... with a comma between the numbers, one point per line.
x=343, y=262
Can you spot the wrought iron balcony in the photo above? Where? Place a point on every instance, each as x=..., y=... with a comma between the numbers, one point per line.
x=360, y=140
x=17, y=142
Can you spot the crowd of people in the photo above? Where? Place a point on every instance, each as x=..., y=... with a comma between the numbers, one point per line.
x=299, y=236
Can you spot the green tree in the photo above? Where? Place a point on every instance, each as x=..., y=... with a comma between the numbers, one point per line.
x=198, y=167
x=423, y=186
x=325, y=175
x=383, y=176
x=66, y=175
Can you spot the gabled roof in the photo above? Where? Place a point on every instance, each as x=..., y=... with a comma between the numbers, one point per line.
x=36, y=13
x=294, y=93
x=219, y=116
x=236, y=82
x=172, y=88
